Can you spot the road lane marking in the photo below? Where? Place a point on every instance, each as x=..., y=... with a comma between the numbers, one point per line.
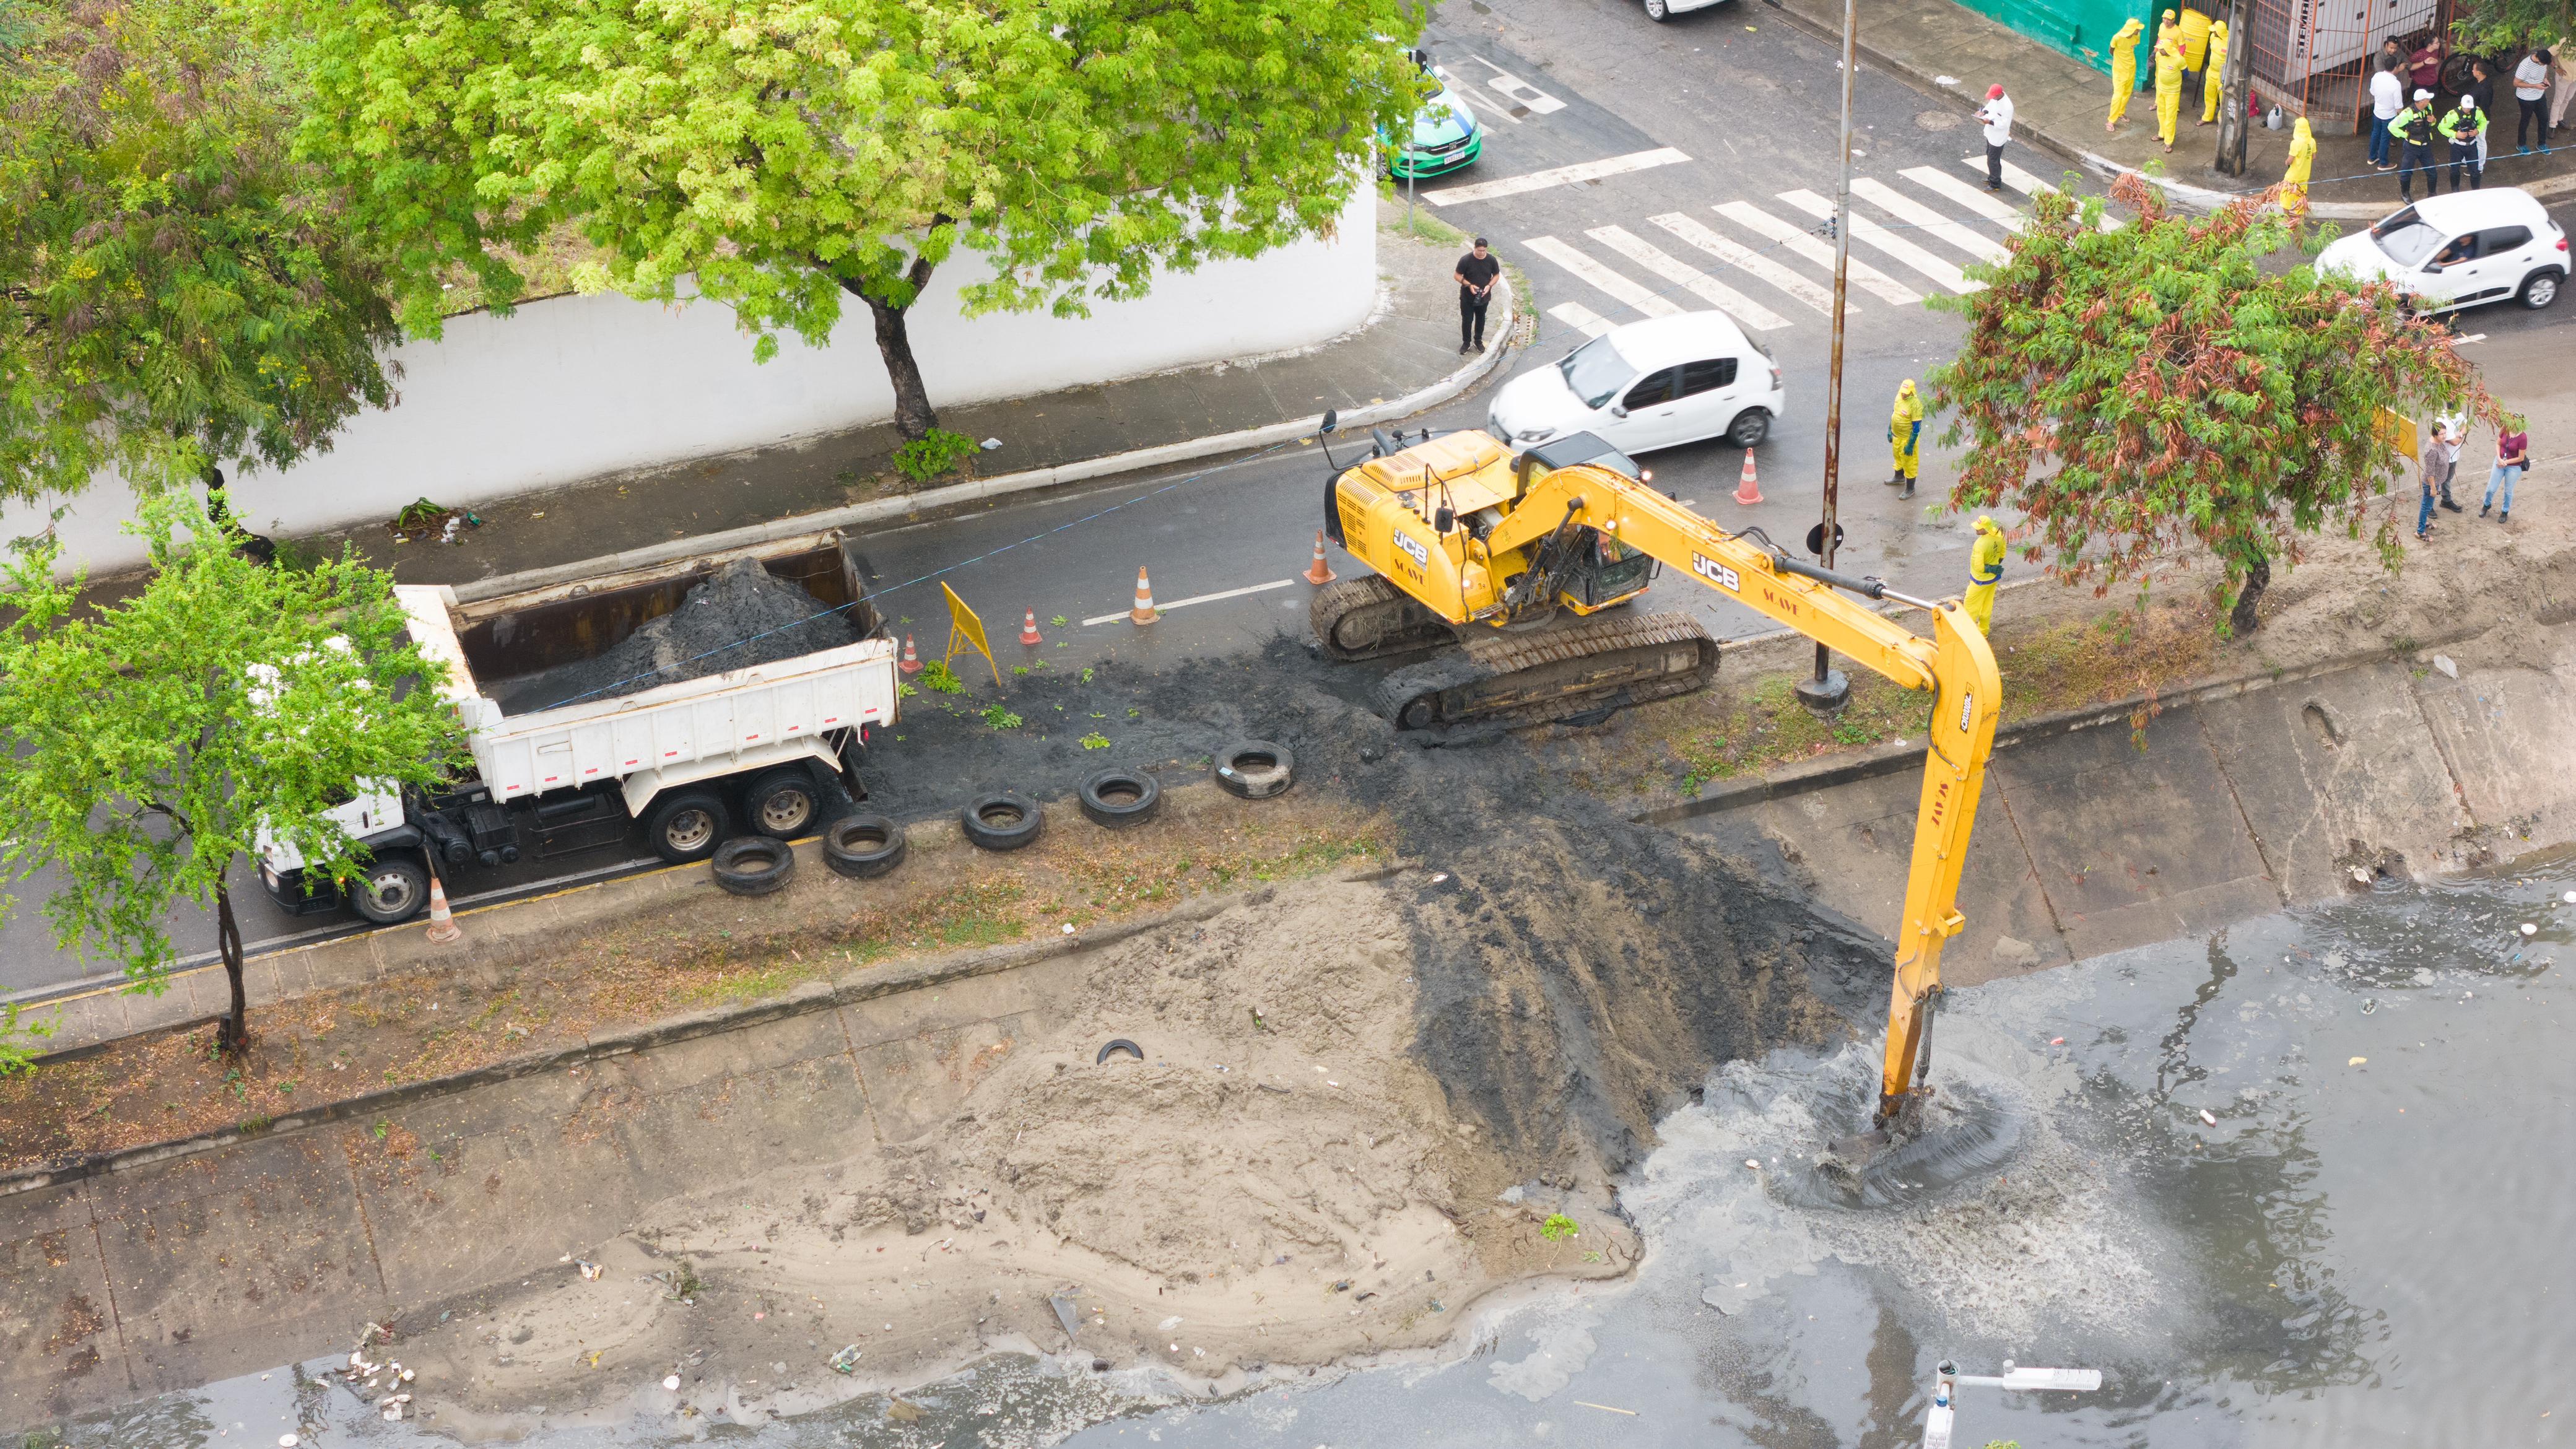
x=1906, y=209
x=1556, y=176
x=1703, y=286
x=1866, y=230
x=1815, y=249
x=1973, y=198
x=2029, y=185
x=1748, y=261
x=1520, y=91
x=1585, y=269
x=1198, y=599
x=1579, y=317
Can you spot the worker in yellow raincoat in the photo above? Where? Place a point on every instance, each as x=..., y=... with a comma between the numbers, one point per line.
x=2169, y=67
x=2216, y=78
x=1985, y=570
x=2124, y=69
x=2294, y=180
x=1905, y=436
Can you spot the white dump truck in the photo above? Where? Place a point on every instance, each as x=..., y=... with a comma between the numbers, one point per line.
x=560, y=768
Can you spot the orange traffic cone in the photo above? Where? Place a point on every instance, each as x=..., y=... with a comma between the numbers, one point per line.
x=1319, y=572
x=442, y=924
x=911, y=662
x=1747, y=491
x=1029, y=628
x=1143, y=613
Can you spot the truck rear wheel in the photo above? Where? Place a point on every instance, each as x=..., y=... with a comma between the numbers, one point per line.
x=392, y=888
x=782, y=803
x=685, y=825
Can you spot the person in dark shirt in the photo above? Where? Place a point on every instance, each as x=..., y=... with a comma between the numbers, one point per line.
x=1476, y=273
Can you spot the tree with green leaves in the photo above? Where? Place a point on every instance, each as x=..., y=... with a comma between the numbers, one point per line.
x=175, y=288
x=146, y=742
x=2140, y=391
x=2508, y=26
x=785, y=157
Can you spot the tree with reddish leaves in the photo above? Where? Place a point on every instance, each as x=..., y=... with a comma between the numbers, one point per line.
x=2142, y=393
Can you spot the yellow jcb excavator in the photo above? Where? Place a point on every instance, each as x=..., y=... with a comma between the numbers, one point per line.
x=1480, y=548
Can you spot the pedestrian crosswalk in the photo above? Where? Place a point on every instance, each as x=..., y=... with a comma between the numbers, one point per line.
x=1769, y=263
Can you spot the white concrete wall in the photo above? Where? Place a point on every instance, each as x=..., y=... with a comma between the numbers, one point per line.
x=573, y=387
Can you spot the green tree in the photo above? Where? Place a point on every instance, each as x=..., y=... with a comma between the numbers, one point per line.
x=145, y=742
x=175, y=288
x=2503, y=27
x=781, y=156
x=2137, y=391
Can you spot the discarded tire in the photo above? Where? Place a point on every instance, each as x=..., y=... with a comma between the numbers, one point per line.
x=1122, y=1044
x=1001, y=821
x=860, y=846
x=1121, y=797
x=753, y=865
x=1255, y=769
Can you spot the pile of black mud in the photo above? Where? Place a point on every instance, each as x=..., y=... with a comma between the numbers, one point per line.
x=740, y=616
x=1578, y=972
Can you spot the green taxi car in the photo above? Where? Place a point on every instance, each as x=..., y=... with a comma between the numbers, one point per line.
x=1445, y=135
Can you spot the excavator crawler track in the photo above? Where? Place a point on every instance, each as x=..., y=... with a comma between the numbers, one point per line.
x=1604, y=662
x=1370, y=618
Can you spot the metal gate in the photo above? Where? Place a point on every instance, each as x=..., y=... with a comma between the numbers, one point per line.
x=2313, y=58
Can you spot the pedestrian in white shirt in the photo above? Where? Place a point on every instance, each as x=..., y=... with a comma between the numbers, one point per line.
x=2387, y=98
x=1996, y=114
x=2530, y=95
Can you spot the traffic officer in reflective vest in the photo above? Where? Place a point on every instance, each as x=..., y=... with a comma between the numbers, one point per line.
x=2462, y=127
x=2412, y=132
x=1985, y=570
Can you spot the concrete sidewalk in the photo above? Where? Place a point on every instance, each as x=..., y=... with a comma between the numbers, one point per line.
x=2060, y=104
x=1406, y=356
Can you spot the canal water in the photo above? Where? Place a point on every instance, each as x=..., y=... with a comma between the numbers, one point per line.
x=2311, y=1182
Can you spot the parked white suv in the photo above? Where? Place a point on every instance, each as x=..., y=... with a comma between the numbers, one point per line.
x=1653, y=384
x=2460, y=250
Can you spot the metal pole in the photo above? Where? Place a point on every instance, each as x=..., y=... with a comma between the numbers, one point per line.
x=1829, y=691
x=1410, y=178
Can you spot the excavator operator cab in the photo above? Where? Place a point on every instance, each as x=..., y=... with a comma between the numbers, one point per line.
x=1569, y=450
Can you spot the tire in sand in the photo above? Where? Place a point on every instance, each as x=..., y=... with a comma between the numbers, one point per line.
x=1370, y=618
x=1608, y=661
x=1254, y=769
x=1001, y=821
x=1119, y=798
x=863, y=847
x=754, y=865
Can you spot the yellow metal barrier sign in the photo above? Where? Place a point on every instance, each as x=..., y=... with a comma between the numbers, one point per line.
x=2400, y=433
x=965, y=631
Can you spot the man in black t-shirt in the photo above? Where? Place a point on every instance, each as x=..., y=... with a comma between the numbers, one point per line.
x=1476, y=273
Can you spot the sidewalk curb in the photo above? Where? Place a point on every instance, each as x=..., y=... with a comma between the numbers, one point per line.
x=1880, y=760
x=878, y=510
x=808, y=997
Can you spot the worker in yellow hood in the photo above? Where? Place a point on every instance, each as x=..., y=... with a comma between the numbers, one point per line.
x=2215, y=79
x=2294, y=181
x=1905, y=436
x=2169, y=68
x=1985, y=571
x=2124, y=69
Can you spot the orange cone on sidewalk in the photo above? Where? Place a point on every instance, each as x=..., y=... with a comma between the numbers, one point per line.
x=1747, y=491
x=911, y=662
x=1029, y=628
x=1143, y=613
x=1319, y=572
x=442, y=924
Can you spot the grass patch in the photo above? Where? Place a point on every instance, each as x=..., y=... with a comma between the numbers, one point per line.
x=1770, y=728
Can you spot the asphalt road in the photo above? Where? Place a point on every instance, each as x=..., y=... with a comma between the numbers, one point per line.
x=1749, y=105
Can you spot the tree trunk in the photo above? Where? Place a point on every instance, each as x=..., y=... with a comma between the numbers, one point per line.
x=2233, y=86
x=233, y=1036
x=913, y=416
x=2258, y=576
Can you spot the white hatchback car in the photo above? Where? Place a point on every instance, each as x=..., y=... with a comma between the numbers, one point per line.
x=1653, y=384
x=2460, y=250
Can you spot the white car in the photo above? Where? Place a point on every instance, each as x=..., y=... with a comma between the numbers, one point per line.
x=2460, y=250
x=1653, y=384
x=1667, y=9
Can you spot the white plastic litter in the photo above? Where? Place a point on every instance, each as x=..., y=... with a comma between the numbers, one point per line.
x=589, y=1269
x=1754, y=1162
x=1945, y=80
x=2529, y=929
x=2443, y=663
x=671, y=1381
x=2205, y=1117
x=991, y=443
x=285, y=1441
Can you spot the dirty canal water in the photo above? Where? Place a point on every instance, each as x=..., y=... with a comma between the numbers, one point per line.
x=2310, y=1183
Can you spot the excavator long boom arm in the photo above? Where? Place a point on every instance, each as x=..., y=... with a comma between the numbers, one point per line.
x=1956, y=663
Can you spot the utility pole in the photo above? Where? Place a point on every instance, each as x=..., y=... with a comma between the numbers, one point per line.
x=1829, y=691
x=2233, y=87
x=1947, y=1378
